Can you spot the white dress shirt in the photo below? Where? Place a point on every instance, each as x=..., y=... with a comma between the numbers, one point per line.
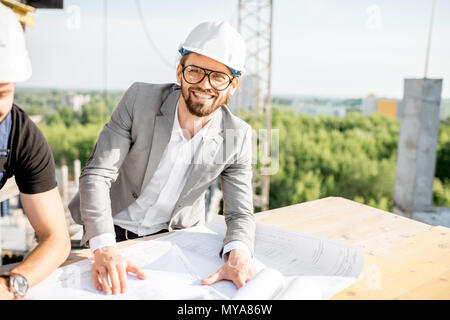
x=152, y=210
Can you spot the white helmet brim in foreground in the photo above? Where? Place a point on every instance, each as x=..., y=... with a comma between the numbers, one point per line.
x=219, y=41
x=15, y=64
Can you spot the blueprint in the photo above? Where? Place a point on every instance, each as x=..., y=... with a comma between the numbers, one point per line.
x=289, y=265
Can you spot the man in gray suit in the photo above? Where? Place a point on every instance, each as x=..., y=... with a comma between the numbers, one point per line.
x=155, y=159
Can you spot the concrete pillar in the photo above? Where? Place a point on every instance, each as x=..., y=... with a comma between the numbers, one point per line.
x=417, y=145
x=62, y=177
x=77, y=171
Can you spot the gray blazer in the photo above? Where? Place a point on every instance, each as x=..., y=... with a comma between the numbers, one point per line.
x=130, y=147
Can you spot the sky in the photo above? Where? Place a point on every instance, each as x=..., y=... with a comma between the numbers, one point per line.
x=326, y=48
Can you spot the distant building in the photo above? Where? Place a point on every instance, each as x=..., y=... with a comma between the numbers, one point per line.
x=388, y=107
x=76, y=101
x=328, y=110
x=369, y=105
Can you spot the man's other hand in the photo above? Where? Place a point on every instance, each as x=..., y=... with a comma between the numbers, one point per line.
x=238, y=268
x=109, y=271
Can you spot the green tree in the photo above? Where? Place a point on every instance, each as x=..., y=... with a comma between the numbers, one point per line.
x=352, y=157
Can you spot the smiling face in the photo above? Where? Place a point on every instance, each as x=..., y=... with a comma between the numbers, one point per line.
x=202, y=99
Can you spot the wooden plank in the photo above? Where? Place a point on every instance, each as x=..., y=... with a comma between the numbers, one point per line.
x=346, y=221
x=405, y=259
x=440, y=290
x=418, y=269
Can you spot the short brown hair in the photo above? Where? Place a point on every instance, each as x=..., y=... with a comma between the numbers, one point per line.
x=184, y=58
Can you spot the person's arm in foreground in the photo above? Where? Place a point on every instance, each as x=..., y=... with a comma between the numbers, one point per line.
x=46, y=214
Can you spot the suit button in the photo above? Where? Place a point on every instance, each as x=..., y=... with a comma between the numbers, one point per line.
x=134, y=195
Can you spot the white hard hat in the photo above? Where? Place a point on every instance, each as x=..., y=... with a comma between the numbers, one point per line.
x=217, y=40
x=15, y=65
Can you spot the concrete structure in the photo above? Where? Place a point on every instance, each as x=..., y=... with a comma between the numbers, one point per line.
x=76, y=172
x=399, y=109
x=417, y=145
x=62, y=178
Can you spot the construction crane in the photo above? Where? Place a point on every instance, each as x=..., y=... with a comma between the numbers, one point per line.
x=254, y=96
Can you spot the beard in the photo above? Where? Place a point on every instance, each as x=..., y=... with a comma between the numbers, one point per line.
x=203, y=109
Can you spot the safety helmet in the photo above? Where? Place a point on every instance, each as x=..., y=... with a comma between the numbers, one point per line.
x=217, y=40
x=15, y=65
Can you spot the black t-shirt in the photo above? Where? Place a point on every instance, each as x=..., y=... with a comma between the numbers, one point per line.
x=30, y=158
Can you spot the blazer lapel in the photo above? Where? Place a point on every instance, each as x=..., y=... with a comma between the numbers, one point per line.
x=161, y=135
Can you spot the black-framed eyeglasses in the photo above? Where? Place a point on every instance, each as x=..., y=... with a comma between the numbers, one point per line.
x=218, y=80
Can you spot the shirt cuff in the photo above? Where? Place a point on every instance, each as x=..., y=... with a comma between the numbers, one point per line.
x=101, y=241
x=236, y=244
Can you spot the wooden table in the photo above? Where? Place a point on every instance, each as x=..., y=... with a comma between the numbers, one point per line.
x=405, y=259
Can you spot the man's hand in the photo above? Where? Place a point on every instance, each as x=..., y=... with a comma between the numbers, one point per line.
x=238, y=269
x=109, y=271
x=5, y=294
